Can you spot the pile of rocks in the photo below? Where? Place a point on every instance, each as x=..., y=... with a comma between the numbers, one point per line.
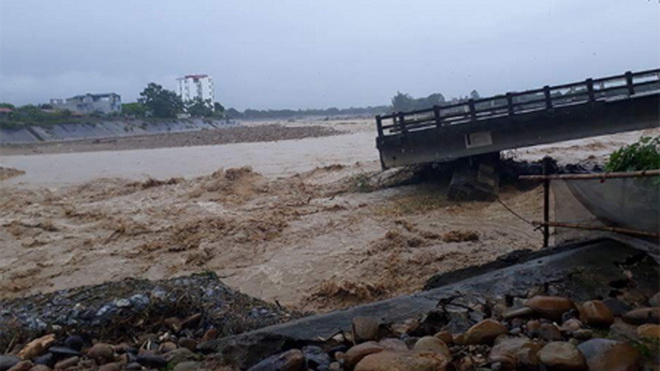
x=176, y=349
x=542, y=333
x=131, y=307
x=151, y=324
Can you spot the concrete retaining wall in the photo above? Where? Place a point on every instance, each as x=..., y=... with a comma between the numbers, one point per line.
x=105, y=129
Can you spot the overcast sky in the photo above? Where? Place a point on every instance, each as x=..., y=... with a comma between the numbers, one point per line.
x=318, y=53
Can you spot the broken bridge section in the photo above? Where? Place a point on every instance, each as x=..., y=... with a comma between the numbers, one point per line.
x=513, y=120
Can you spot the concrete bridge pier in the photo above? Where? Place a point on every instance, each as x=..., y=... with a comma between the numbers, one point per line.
x=476, y=178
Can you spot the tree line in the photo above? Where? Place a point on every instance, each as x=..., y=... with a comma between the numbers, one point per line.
x=159, y=103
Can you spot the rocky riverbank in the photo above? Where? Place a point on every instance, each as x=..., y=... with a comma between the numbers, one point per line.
x=592, y=306
x=540, y=333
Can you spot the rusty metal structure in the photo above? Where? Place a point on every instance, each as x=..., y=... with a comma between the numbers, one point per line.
x=592, y=107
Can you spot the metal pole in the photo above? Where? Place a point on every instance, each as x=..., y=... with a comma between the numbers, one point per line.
x=546, y=203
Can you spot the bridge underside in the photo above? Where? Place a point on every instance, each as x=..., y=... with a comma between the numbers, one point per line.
x=520, y=130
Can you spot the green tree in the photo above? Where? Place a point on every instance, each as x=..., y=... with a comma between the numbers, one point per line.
x=233, y=113
x=134, y=109
x=160, y=102
x=198, y=107
x=402, y=102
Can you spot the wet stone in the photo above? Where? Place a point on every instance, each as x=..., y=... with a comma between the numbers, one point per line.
x=187, y=366
x=445, y=336
x=63, y=351
x=596, y=313
x=72, y=361
x=432, y=344
x=484, y=332
x=654, y=300
x=47, y=359
x=562, y=356
x=641, y=316
x=551, y=307
x=151, y=360
x=74, y=342
x=179, y=355
x=365, y=328
x=210, y=334
x=505, y=349
x=573, y=313
x=37, y=346
x=22, y=366
x=387, y=361
x=101, y=353
x=649, y=330
x=571, y=325
x=622, y=330
x=532, y=327
x=356, y=353
x=134, y=366
x=549, y=332
x=315, y=356
x=8, y=361
x=114, y=366
x=394, y=345
x=167, y=346
x=583, y=334
x=292, y=360
x=188, y=343
x=520, y=312
x=617, y=307
x=605, y=354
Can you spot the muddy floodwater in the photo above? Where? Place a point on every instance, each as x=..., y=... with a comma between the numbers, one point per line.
x=281, y=158
x=305, y=222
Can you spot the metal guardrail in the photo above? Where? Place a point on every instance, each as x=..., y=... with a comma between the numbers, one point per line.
x=509, y=104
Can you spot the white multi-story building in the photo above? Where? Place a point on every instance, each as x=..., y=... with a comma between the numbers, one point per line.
x=190, y=87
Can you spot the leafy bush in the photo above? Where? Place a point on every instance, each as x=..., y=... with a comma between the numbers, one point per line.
x=639, y=156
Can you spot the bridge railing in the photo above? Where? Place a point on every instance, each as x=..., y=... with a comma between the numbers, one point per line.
x=546, y=98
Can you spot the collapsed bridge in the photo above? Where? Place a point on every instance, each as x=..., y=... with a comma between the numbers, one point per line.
x=593, y=107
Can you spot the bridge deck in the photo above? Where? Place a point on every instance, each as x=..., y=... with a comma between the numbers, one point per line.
x=551, y=114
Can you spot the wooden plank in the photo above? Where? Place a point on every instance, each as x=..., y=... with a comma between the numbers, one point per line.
x=597, y=228
x=603, y=176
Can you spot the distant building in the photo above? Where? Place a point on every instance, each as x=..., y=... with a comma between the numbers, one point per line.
x=89, y=103
x=190, y=87
x=5, y=112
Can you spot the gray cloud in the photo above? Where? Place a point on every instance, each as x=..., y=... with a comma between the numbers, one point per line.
x=298, y=54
